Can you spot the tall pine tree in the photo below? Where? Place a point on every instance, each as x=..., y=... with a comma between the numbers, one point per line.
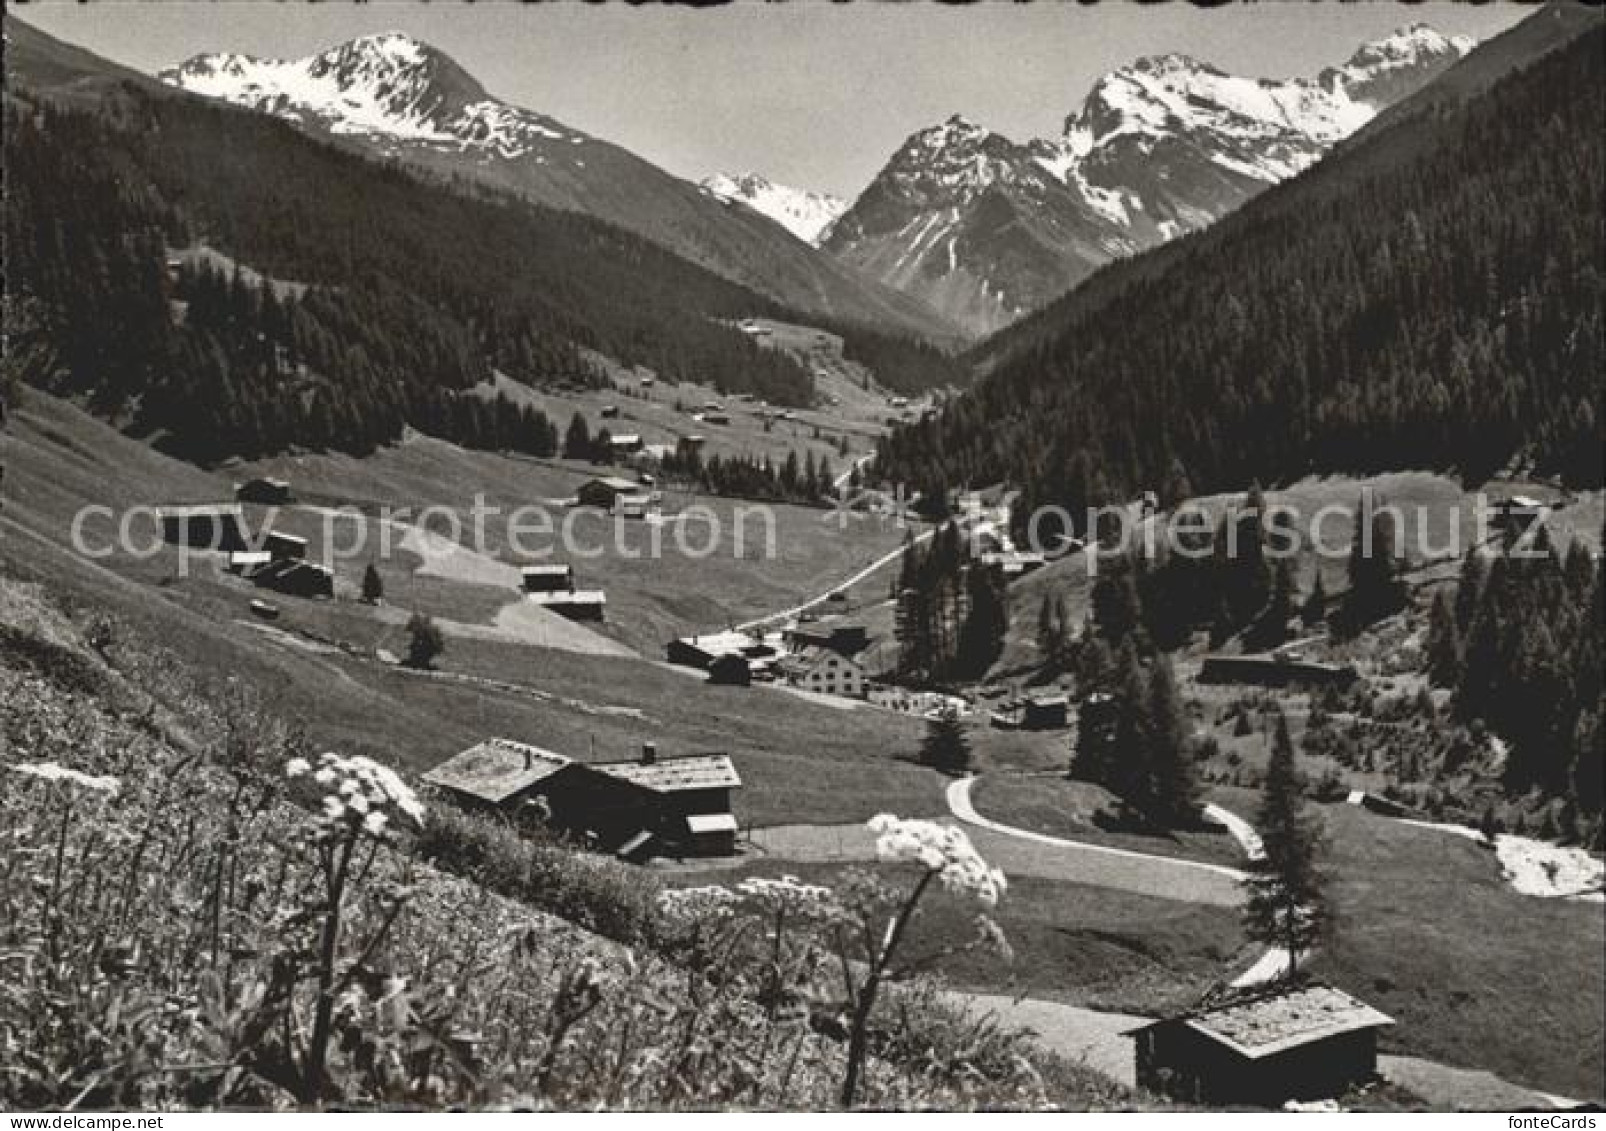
x=1287, y=903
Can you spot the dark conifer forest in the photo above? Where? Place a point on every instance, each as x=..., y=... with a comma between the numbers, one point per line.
x=1431, y=297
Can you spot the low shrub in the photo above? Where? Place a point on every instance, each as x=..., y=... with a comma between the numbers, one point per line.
x=614, y=900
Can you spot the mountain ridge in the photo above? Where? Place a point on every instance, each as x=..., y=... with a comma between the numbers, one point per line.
x=398, y=98
x=986, y=228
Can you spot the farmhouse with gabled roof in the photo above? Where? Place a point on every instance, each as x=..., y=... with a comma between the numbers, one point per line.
x=1263, y=1046
x=637, y=808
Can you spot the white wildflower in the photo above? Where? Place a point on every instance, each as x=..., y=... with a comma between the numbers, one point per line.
x=360, y=787
x=788, y=893
x=697, y=904
x=295, y=767
x=942, y=849
x=374, y=824
x=50, y=771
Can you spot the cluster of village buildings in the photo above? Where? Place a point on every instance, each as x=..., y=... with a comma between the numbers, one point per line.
x=275, y=561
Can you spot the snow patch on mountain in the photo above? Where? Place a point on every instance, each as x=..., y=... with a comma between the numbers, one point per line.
x=807, y=215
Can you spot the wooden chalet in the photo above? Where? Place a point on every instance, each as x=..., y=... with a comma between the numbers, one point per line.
x=551, y=578
x=602, y=491
x=1262, y=1047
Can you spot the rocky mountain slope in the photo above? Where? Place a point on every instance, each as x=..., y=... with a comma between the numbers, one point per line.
x=394, y=96
x=986, y=228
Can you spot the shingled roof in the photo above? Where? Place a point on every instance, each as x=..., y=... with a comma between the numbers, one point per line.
x=614, y=482
x=200, y=510
x=671, y=775
x=1264, y=1022
x=496, y=769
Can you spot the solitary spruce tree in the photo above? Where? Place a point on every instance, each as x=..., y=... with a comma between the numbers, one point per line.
x=1173, y=778
x=1314, y=610
x=1287, y=905
x=1444, y=642
x=1375, y=590
x=373, y=587
x=945, y=746
x=424, y=641
x=986, y=623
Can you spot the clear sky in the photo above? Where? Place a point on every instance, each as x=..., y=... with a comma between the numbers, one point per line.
x=811, y=94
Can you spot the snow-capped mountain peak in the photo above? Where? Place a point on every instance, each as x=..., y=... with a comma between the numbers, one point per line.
x=807, y=215
x=1381, y=72
x=1410, y=44
x=388, y=88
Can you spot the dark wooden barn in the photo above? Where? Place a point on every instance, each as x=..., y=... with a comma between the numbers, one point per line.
x=1262, y=1047
x=701, y=651
x=204, y=526
x=282, y=546
x=263, y=490
x=1049, y=711
x=551, y=578
x=730, y=669
x=295, y=577
x=690, y=809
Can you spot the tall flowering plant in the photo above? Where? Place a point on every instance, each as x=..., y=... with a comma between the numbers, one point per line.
x=859, y=925
x=943, y=854
x=361, y=803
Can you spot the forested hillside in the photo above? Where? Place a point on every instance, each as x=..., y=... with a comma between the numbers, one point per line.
x=408, y=291
x=1433, y=300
